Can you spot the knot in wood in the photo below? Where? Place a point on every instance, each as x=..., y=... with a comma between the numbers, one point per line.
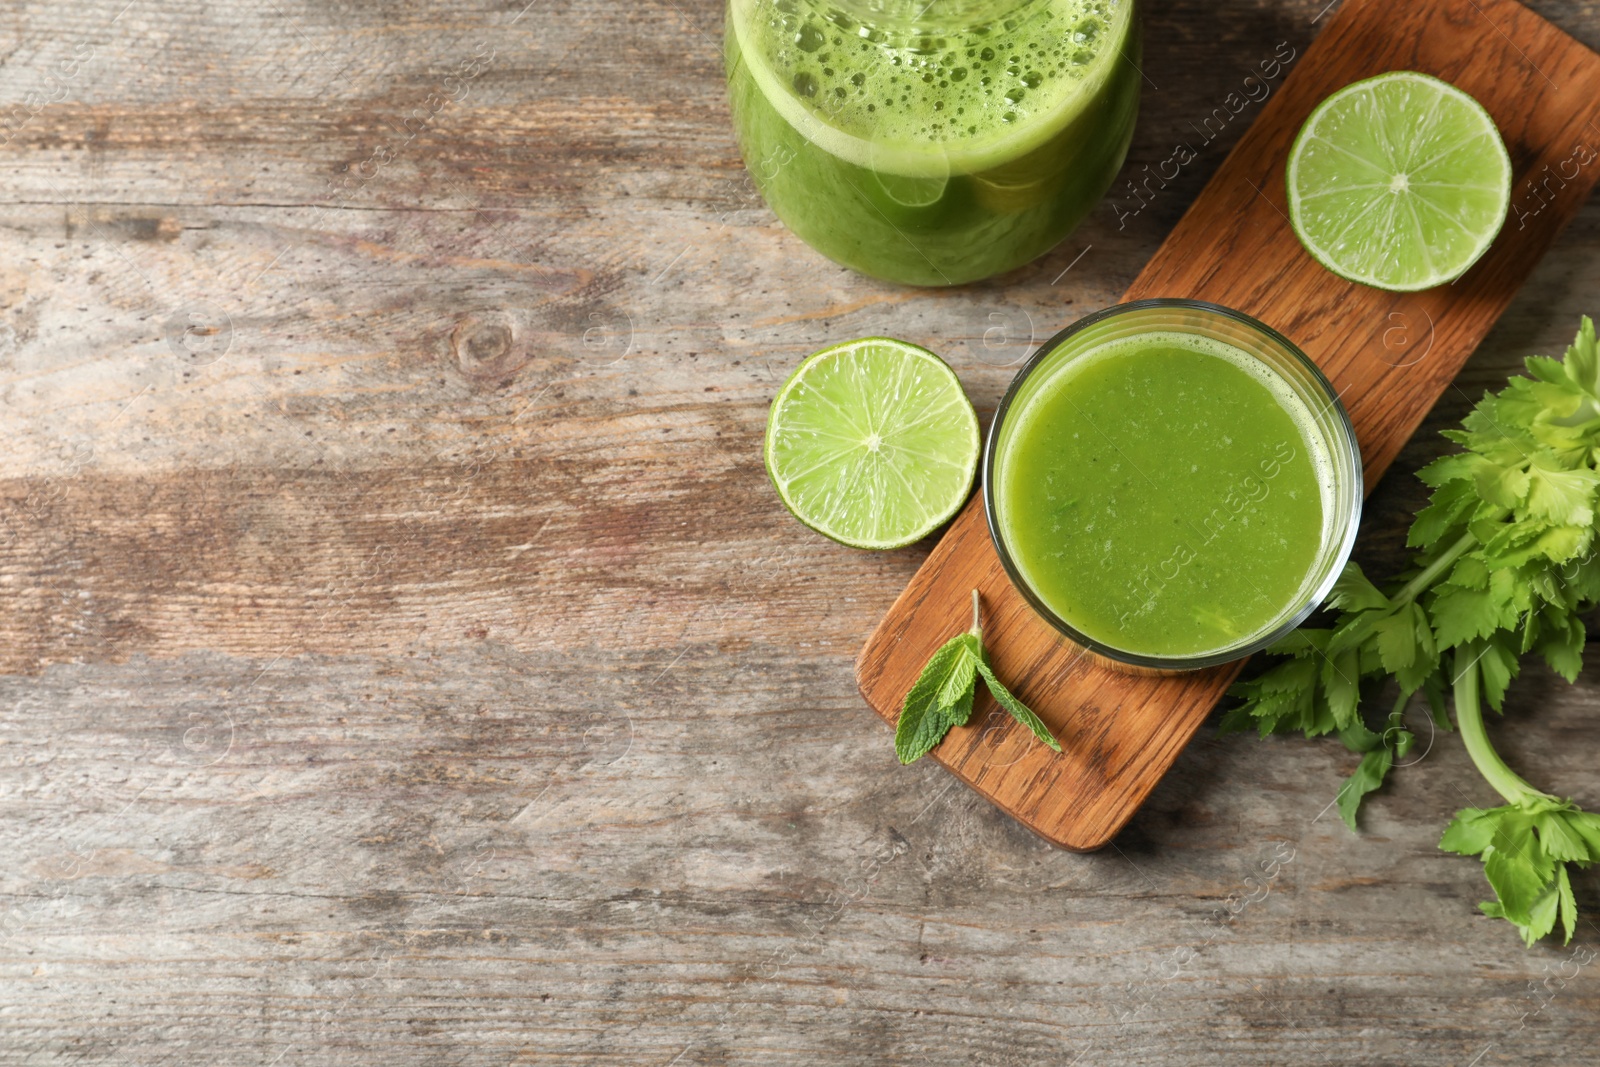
x=484, y=345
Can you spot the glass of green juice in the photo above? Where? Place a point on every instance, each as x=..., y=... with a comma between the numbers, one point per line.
x=933, y=142
x=1172, y=484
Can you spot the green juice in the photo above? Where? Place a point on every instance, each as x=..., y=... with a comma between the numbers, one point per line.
x=1164, y=494
x=933, y=156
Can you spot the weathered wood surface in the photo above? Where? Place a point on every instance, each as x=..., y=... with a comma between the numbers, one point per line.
x=406, y=662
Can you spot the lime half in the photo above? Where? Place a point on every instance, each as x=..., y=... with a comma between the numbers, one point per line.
x=1399, y=182
x=873, y=443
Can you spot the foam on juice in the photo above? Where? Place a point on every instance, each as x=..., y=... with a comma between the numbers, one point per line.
x=925, y=105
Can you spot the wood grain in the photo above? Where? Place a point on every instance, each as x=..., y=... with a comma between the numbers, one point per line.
x=1389, y=356
x=367, y=697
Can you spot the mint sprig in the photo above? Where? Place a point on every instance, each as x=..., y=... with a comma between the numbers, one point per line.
x=943, y=693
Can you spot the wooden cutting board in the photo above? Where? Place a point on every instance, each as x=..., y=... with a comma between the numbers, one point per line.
x=1389, y=355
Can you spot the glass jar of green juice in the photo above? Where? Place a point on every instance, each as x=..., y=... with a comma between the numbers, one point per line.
x=1172, y=484
x=933, y=142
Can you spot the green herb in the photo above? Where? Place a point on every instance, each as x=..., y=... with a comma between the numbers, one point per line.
x=942, y=695
x=1527, y=843
x=1504, y=566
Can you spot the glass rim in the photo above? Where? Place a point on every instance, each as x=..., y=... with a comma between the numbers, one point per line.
x=1344, y=538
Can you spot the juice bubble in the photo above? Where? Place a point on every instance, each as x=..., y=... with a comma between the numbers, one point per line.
x=896, y=88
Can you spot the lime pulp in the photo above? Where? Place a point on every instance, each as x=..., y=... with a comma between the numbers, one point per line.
x=1400, y=182
x=873, y=443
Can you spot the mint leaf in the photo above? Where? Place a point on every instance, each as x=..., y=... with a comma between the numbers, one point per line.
x=1017, y=708
x=942, y=695
x=959, y=682
x=924, y=719
x=921, y=735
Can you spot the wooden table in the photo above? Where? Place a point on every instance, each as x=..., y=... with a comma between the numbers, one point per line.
x=407, y=662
